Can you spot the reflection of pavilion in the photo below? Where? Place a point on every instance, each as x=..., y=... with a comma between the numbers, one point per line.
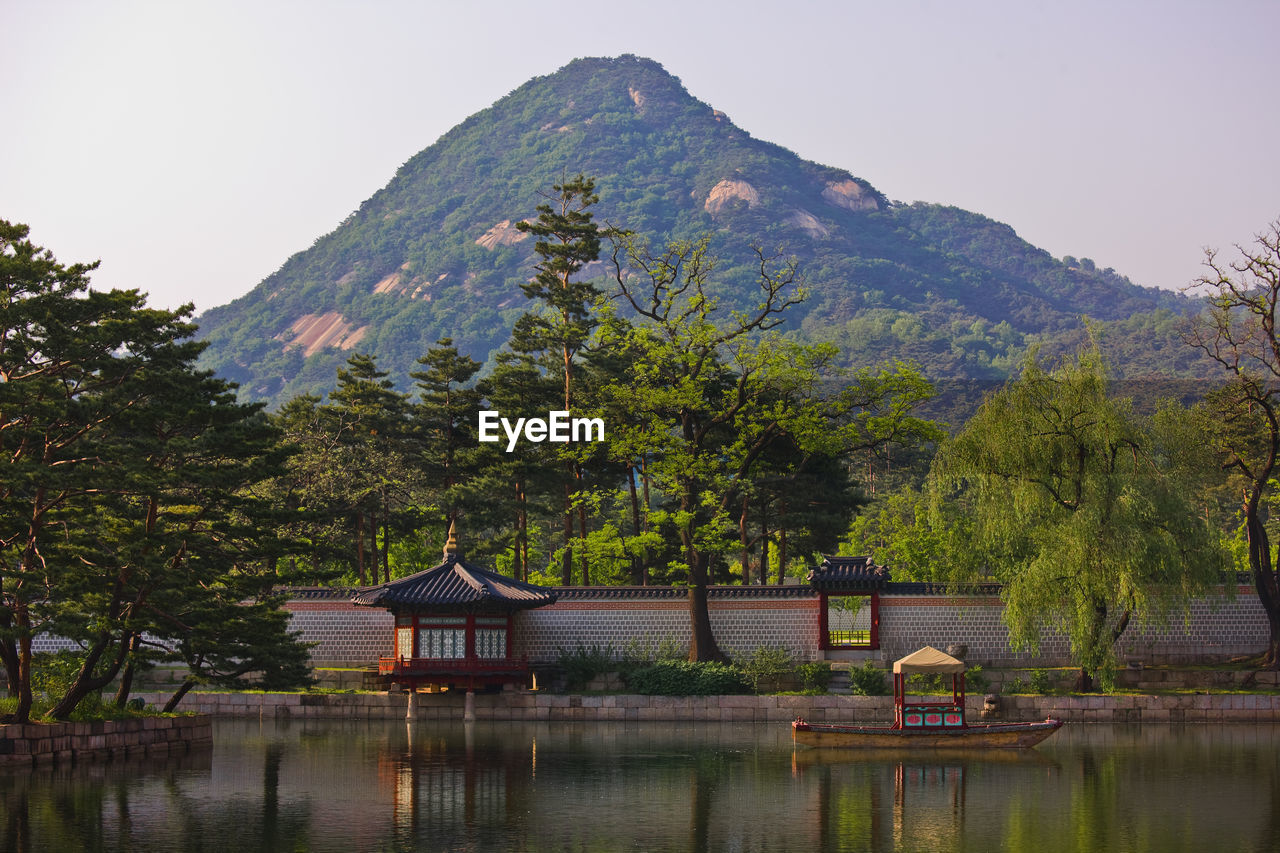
x=454, y=793
x=454, y=625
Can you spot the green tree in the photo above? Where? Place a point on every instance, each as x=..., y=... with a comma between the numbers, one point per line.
x=372, y=421
x=1239, y=333
x=1086, y=528
x=711, y=395
x=126, y=490
x=568, y=239
x=512, y=491
x=922, y=537
x=444, y=419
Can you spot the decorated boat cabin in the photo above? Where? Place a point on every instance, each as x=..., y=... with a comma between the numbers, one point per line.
x=918, y=712
x=453, y=625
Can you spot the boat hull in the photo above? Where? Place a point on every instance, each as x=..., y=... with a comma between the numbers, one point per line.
x=976, y=736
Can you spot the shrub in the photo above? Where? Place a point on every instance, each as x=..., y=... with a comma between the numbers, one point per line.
x=581, y=665
x=686, y=678
x=932, y=682
x=1016, y=685
x=765, y=663
x=867, y=680
x=975, y=681
x=1040, y=682
x=815, y=675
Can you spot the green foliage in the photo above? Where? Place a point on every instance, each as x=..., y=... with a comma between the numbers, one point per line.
x=814, y=675
x=129, y=504
x=1078, y=508
x=765, y=664
x=953, y=291
x=922, y=537
x=975, y=680
x=639, y=652
x=868, y=680
x=583, y=664
x=687, y=678
x=928, y=683
x=1039, y=681
x=53, y=673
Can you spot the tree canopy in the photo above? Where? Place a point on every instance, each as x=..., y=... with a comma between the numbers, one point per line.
x=127, y=501
x=1073, y=503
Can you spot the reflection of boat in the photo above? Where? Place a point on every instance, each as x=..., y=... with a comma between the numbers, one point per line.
x=920, y=723
x=844, y=754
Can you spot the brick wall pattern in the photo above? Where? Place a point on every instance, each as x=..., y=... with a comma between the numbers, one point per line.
x=1217, y=627
x=740, y=625
x=349, y=636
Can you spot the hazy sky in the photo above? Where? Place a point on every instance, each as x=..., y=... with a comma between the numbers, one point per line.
x=193, y=147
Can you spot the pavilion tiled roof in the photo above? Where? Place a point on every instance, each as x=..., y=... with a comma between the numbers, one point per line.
x=848, y=574
x=455, y=583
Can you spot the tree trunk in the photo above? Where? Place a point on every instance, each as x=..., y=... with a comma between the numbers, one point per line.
x=566, y=561
x=360, y=548
x=386, y=547
x=637, y=562
x=582, y=526
x=644, y=481
x=177, y=696
x=374, y=558
x=126, y=678
x=1264, y=581
x=744, y=541
x=702, y=644
x=522, y=533
x=764, y=540
x=22, y=713
x=9, y=654
x=782, y=546
x=86, y=682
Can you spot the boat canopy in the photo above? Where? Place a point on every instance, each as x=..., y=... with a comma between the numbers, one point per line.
x=928, y=660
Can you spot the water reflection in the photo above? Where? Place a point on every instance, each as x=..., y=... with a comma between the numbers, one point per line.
x=388, y=786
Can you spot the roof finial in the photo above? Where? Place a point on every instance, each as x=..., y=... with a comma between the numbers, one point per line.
x=451, y=544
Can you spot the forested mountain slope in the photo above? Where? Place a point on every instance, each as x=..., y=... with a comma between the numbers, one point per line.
x=436, y=252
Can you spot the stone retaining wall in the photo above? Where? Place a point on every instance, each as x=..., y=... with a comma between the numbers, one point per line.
x=37, y=743
x=527, y=706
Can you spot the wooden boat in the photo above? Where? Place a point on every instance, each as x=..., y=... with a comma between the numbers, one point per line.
x=926, y=723
x=975, y=736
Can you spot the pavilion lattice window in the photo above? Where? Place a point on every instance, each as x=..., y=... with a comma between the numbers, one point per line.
x=491, y=637
x=443, y=637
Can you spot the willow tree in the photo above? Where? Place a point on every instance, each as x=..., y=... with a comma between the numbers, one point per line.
x=1069, y=492
x=1239, y=333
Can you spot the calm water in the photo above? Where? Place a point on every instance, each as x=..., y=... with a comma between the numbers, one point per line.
x=493, y=786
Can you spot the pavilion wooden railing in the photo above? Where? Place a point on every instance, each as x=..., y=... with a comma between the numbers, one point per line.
x=451, y=666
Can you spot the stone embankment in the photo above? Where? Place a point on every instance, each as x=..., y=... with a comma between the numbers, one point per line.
x=38, y=743
x=539, y=706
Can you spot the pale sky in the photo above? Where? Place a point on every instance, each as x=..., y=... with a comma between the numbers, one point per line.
x=193, y=146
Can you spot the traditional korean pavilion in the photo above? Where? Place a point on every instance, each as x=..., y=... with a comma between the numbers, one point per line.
x=453, y=625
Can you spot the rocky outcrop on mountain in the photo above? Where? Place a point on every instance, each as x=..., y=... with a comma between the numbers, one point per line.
x=437, y=253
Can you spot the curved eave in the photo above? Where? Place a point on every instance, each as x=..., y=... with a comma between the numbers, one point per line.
x=455, y=584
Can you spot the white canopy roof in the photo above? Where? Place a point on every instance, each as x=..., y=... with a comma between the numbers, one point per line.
x=928, y=660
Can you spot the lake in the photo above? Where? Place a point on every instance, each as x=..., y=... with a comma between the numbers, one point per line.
x=393, y=786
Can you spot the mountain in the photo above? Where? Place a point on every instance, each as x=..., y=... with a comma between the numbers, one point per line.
x=436, y=253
